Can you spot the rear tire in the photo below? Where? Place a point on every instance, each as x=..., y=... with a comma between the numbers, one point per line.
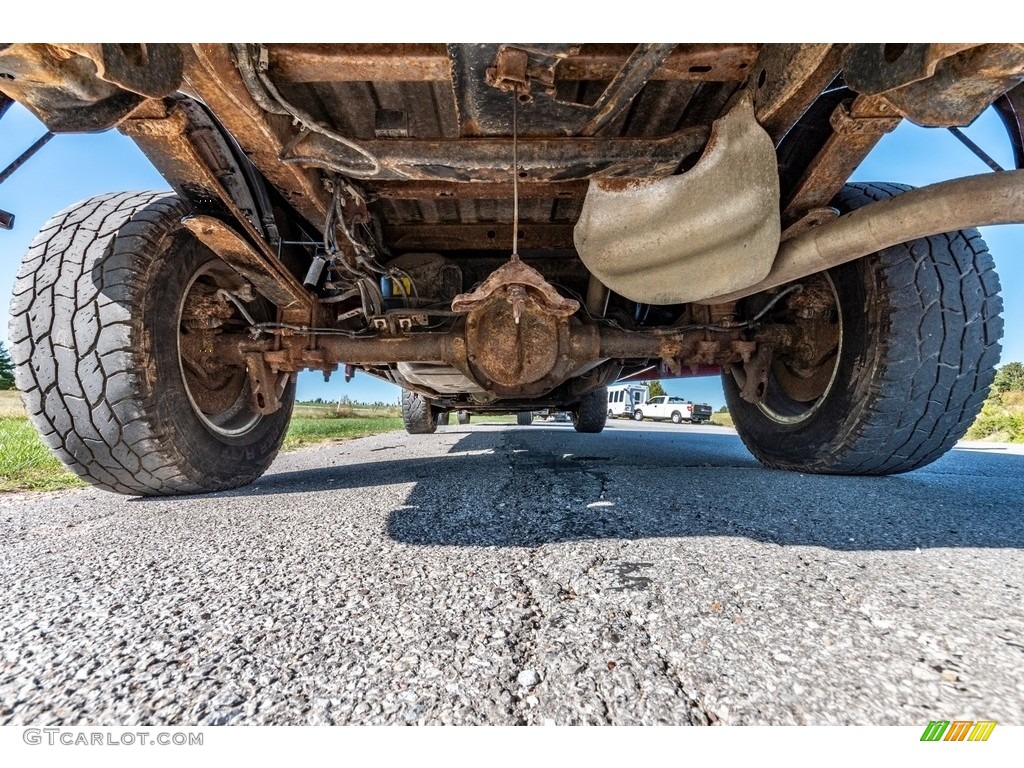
x=919, y=339
x=677, y=418
x=591, y=414
x=638, y=415
x=524, y=418
x=463, y=417
x=95, y=327
x=419, y=416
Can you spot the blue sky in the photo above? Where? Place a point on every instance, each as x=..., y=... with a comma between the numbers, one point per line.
x=73, y=167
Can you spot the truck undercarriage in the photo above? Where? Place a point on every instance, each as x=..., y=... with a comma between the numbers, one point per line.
x=510, y=227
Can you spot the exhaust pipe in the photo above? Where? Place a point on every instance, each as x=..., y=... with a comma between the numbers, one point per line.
x=973, y=201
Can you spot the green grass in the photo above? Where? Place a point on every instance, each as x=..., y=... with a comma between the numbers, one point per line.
x=26, y=464
x=305, y=430
x=721, y=419
x=1001, y=419
x=345, y=411
x=491, y=418
x=10, y=403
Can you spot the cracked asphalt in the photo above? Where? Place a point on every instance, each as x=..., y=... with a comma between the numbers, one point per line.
x=502, y=575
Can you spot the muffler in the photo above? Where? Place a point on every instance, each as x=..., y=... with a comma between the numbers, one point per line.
x=972, y=201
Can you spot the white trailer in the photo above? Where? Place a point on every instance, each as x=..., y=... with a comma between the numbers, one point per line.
x=623, y=398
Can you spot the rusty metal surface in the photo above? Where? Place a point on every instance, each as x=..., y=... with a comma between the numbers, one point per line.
x=485, y=110
x=540, y=159
x=962, y=87
x=974, y=201
x=802, y=366
x=689, y=61
x=787, y=78
x=856, y=129
x=211, y=73
x=153, y=70
x=502, y=359
x=512, y=72
x=269, y=277
x=61, y=88
x=506, y=355
x=752, y=375
x=483, y=74
x=873, y=68
x=636, y=72
x=493, y=356
x=163, y=135
x=216, y=381
x=265, y=386
x=474, y=190
x=214, y=384
x=188, y=149
x=936, y=84
x=518, y=283
x=88, y=86
x=326, y=352
x=442, y=129
x=455, y=237
x=206, y=307
x=525, y=359
x=660, y=242
x=318, y=63
x=517, y=332
x=306, y=63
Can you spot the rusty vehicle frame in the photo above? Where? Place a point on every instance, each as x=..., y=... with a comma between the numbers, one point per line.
x=509, y=227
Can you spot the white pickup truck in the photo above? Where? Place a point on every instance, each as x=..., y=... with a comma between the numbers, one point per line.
x=675, y=408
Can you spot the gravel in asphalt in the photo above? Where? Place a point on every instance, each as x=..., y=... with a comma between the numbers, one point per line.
x=501, y=575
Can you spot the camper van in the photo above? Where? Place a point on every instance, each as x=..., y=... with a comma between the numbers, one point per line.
x=623, y=398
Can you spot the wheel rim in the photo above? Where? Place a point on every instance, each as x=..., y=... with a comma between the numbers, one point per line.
x=792, y=397
x=221, y=400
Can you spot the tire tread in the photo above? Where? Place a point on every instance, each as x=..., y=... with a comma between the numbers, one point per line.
x=940, y=298
x=72, y=328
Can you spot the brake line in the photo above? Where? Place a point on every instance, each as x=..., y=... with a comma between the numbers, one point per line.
x=266, y=93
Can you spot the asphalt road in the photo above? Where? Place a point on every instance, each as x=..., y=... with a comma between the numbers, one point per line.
x=651, y=574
